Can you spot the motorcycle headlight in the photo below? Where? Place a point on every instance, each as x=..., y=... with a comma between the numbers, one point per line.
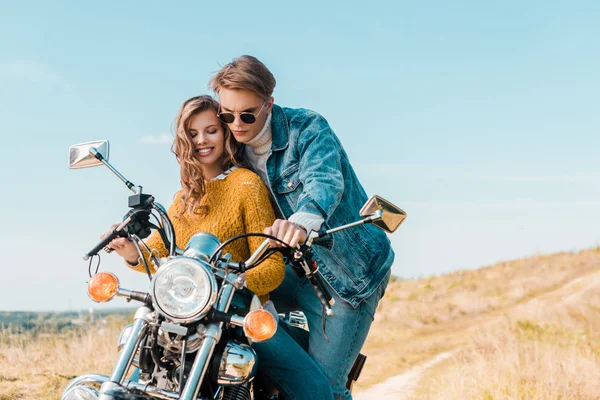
x=80, y=393
x=184, y=289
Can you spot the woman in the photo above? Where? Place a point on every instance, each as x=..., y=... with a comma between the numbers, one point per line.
x=216, y=197
x=220, y=198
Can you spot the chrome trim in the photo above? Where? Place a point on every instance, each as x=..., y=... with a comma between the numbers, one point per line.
x=80, y=155
x=108, y=389
x=118, y=285
x=201, y=246
x=211, y=337
x=98, y=380
x=193, y=342
x=258, y=253
x=236, y=320
x=80, y=393
x=382, y=214
x=129, y=184
x=238, y=364
x=350, y=225
x=142, y=319
x=198, y=371
x=209, y=301
x=122, y=292
x=298, y=319
x=125, y=334
x=174, y=328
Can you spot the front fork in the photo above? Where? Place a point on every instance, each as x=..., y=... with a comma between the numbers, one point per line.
x=141, y=321
x=211, y=338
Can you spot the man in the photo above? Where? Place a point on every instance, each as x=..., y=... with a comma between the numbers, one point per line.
x=301, y=160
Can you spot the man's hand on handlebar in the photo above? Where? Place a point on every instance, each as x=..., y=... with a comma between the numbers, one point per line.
x=287, y=231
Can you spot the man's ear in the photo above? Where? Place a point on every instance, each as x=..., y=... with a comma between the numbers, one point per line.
x=270, y=104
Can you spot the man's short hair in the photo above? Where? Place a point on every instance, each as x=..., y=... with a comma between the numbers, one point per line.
x=246, y=73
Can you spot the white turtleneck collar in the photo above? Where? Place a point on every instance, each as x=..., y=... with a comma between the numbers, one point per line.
x=261, y=143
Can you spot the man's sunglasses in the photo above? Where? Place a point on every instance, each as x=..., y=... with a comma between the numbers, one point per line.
x=246, y=117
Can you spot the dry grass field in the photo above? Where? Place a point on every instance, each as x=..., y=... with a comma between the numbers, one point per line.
x=39, y=367
x=522, y=329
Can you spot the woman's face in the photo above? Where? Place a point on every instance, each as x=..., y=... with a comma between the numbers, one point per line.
x=206, y=133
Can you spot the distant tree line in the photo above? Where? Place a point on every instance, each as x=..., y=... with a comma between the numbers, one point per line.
x=27, y=321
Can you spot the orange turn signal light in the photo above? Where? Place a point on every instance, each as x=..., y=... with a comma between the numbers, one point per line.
x=260, y=325
x=103, y=287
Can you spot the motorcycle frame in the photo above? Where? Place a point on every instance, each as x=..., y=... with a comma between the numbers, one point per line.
x=144, y=317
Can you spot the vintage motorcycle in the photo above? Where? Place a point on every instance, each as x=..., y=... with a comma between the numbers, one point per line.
x=191, y=336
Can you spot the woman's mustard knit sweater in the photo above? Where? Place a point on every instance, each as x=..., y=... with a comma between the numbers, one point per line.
x=237, y=204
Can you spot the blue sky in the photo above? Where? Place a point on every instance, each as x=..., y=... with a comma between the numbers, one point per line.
x=480, y=120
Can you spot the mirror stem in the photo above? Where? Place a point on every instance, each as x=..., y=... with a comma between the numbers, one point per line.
x=129, y=184
x=367, y=220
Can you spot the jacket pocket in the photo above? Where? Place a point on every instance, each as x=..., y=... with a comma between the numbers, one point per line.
x=288, y=181
x=357, y=252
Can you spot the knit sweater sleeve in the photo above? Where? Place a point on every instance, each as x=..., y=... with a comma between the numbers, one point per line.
x=258, y=214
x=155, y=243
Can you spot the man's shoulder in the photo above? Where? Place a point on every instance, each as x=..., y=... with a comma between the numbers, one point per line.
x=301, y=114
x=295, y=125
x=303, y=119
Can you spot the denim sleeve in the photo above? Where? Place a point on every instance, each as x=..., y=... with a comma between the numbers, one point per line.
x=320, y=168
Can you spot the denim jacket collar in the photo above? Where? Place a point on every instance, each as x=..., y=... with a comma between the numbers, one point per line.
x=280, y=129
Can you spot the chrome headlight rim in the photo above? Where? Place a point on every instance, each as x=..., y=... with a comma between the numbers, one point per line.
x=211, y=291
x=80, y=393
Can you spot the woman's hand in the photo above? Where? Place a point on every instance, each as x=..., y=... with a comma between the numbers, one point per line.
x=286, y=231
x=123, y=246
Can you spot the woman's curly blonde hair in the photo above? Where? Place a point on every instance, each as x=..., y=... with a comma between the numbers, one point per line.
x=192, y=177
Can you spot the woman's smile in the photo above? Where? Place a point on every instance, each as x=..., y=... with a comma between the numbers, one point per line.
x=205, y=151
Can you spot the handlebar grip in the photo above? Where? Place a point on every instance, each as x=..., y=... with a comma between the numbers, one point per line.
x=102, y=243
x=322, y=293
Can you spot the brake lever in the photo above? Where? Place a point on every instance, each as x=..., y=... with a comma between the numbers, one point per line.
x=311, y=271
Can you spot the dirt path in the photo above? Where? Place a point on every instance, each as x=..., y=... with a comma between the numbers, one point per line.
x=402, y=386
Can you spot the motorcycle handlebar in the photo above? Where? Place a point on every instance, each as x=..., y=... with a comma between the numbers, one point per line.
x=314, y=278
x=258, y=253
x=118, y=231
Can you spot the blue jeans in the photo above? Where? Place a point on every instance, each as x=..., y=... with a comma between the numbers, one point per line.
x=282, y=359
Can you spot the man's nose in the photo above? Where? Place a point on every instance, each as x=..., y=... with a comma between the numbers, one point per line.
x=237, y=120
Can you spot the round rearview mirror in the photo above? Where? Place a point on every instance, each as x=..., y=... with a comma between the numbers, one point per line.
x=391, y=218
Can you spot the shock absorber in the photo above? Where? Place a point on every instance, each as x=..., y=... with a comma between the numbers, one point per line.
x=240, y=392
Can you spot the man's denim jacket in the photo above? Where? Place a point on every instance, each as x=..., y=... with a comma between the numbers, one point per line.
x=309, y=171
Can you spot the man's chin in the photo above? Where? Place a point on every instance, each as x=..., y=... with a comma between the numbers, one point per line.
x=243, y=137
